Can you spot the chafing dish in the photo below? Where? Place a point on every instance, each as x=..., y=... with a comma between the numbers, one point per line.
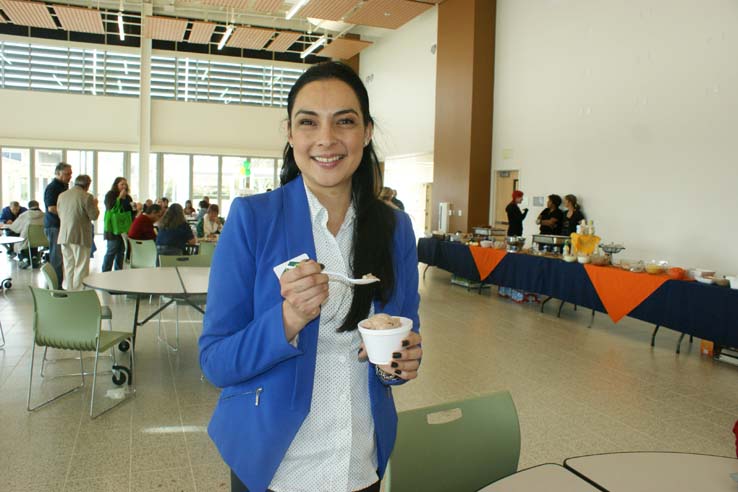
x=514, y=243
x=550, y=239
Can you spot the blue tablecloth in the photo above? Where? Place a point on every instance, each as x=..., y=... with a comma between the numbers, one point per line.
x=704, y=311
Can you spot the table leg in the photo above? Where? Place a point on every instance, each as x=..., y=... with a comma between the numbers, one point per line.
x=653, y=336
x=425, y=270
x=545, y=301
x=679, y=343
x=135, y=320
x=592, y=319
x=558, y=315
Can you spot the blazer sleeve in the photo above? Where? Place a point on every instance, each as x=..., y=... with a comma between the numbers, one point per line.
x=237, y=342
x=409, y=266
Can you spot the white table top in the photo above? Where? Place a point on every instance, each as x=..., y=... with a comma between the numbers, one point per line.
x=11, y=239
x=146, y=281
x=654, y=472
x=195, y=279
x=548, y=477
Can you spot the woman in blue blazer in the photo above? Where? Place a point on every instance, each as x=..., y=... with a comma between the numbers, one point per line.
x=262, y=332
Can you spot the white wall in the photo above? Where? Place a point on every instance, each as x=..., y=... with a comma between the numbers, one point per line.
x=45, y=119
x=631, y=106
x=217, y=128
x=402, y=86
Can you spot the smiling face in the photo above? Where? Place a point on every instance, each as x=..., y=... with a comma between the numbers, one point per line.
x=328, y=135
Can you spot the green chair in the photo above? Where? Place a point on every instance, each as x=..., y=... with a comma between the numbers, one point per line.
x=71, y=321
x=198, y=261
x=207, y=248
x=52, y=283
x=35, y=239
x=143, y=253
x=461, y=446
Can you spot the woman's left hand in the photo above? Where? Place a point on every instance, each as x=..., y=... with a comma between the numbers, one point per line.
x=405, y=362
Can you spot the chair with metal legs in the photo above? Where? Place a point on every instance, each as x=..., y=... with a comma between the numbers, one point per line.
x=35, y=238
x=71, y=321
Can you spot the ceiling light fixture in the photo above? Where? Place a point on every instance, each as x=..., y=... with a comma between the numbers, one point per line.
x=121, y=32
x=226, y=35
x=317, y=44
x=295, y=8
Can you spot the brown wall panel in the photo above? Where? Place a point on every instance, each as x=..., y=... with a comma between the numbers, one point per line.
x=463, y=134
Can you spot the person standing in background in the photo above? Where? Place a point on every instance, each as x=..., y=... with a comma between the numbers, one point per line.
x=551, y=218
x=118, y=194
x=60, y=184
x=77, y=209
x=397, y=203
x=515, y=217
x=572, y=217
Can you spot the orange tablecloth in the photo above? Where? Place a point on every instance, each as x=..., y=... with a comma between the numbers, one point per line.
x=486, y=259
x=621, y=291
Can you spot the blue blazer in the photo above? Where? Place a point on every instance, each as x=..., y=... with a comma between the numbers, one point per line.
x=267, y=382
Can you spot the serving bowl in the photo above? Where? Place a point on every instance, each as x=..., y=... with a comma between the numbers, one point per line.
x=612, y=248
x=486, y=244
x=583, y=259
x=600, y=260
x=655, y=267
x=569, y=258
x=695, y=273
x=704, y=280
x=720, y=281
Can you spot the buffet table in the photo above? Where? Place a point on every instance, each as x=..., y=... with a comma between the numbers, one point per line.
x=705, y=311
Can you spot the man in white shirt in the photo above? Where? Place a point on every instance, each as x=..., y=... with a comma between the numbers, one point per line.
x=32, y=216
x=77, y=209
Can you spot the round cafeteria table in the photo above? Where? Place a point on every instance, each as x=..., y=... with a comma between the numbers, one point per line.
x=177, y=283
x=655, y=472
x=548, y=477
x=7, y=282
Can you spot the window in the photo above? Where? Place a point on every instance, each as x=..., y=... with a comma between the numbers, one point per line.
x=45, y=170
x=262, y=176
x=16, y=176
x=176, y=178
x=83, y=162
x=143, y=195
x=204, y=178
x=118, y=73
x=234, y=182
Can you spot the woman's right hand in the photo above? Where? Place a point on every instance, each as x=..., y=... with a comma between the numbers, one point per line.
x=304, y=289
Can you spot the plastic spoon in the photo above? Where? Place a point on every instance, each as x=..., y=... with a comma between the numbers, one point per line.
x=354, y=281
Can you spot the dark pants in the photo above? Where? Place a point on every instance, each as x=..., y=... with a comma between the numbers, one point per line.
x=238, y=486
x=55, y=254
x=114, y=253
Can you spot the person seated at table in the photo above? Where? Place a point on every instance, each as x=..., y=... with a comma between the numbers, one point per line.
x=189, y=210
x=32, y=216
x=142, y=227
x=551, y=217
x=174, y=232
x=147, y=204
x=202, y=209
x=572, y=217
x=211, y=224
x=515, y=217
x=9, y=215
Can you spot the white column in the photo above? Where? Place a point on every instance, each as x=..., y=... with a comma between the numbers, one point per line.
x=144, y=121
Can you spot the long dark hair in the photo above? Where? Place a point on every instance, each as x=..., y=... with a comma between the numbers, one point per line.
x=173, y=218
x=375, y=221
x=573, y=200
x=115, y=184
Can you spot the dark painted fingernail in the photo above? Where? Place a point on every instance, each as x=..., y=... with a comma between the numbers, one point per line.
x=322, y=266
x=396, y=355
x=395, y=364
x=398, y=372
x=405, y=343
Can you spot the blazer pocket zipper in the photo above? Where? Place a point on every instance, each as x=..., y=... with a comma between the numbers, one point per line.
x=256, y=392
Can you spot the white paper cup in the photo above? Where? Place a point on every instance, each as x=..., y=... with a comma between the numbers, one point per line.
x=380, y=344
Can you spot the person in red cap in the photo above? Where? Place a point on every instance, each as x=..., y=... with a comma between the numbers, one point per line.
x=515, y=217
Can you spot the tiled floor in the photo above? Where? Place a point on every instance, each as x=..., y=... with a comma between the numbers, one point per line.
x=577, y=390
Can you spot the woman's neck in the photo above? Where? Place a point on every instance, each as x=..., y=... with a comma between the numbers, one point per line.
x=336, y=201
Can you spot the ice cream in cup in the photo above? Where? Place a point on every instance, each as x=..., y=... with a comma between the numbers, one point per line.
x=382, y=335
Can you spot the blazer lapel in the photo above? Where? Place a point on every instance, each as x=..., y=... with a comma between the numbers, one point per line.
x=298, y=235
